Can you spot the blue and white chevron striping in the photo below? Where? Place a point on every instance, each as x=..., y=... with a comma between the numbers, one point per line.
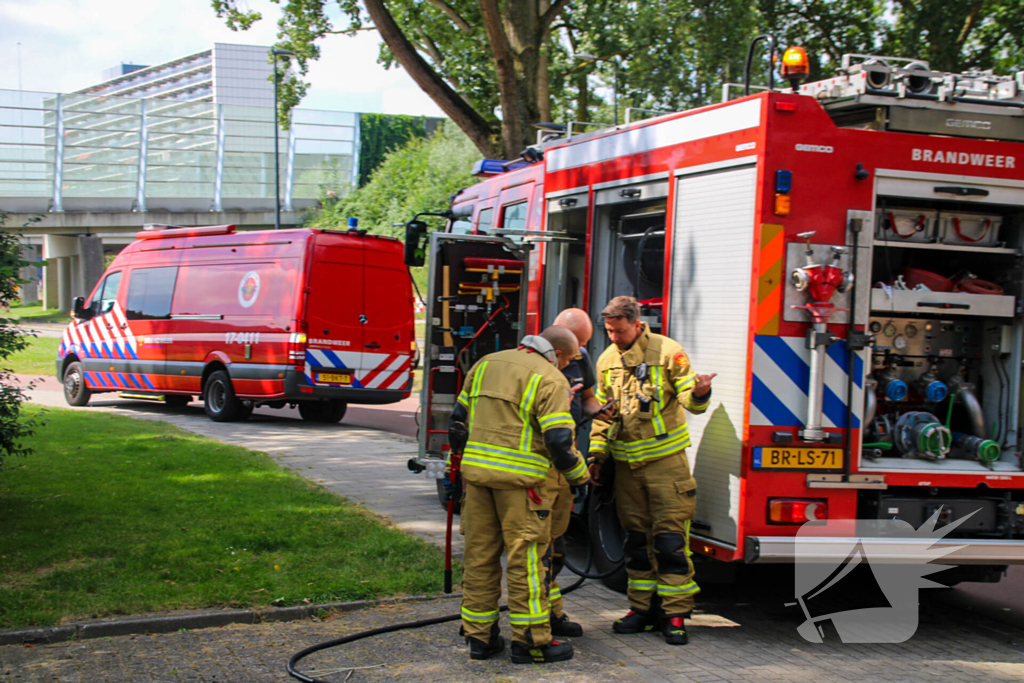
x=781, y=379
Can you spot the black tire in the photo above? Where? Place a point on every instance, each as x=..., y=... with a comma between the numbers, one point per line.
x=607, y=537
x=246, y=412
x=326, y=412
x=219, y=400
x=75, y=391
x=177, y=400
x=444, y=501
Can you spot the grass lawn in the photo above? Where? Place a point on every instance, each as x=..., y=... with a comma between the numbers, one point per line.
x=113, y=515
x=35, y=313
x=37, y=359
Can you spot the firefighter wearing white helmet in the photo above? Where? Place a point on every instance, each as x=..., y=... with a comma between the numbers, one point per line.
x=514, y=405
x=650, y=378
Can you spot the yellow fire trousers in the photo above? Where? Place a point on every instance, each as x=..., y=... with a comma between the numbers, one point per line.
x=496, y=520
x=562, y=500
x=655, y=503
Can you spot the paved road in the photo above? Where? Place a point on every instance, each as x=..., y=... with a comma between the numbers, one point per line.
x=740, y=632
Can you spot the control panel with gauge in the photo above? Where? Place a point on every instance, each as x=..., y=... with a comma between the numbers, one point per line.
x=916, y=337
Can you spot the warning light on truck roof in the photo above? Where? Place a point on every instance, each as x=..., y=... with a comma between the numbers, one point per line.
x=795, y=66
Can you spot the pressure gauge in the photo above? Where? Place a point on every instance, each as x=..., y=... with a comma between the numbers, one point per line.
x=900, y=343
x=889, y=330
x=875, y=327
x=910, y=330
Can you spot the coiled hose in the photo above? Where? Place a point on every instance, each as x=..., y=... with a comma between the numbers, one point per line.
x=302, y=654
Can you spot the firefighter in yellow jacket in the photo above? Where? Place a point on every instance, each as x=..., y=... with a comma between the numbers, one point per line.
x=649, y=377
x=515, y=405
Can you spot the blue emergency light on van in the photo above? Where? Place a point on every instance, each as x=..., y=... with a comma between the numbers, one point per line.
x=491, y=167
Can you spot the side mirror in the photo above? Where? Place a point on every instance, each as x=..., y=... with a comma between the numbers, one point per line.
x=79, y=309
x=415, y=249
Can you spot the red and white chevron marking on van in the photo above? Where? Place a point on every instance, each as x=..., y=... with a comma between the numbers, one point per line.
x=370, y=370
x=105, y=336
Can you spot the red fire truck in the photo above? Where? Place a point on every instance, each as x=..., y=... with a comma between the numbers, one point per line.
x=753, y=232
x=315, y=318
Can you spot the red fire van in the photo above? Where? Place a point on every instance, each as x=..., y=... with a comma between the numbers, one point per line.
x=315, y=318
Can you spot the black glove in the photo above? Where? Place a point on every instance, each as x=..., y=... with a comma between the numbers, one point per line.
x=452, y=488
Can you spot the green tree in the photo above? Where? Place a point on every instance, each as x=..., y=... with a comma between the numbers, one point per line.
x=13, y=426
x=382, y=133
x=474, y=56
x=420, y=176
x=959, y=36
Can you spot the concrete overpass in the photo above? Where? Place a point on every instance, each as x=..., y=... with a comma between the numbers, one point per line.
x=73, y=247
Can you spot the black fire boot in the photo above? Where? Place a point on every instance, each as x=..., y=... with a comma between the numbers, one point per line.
x=674, y=631
x=478, y=649
x=635, y=621
x=561, y=626
x=540, y=654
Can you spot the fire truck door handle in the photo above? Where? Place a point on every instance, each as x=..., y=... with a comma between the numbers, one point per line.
x=124, y=326
x=109, y=326
x=372, y=345
x=362, y=318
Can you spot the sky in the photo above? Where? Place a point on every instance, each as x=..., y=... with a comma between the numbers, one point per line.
x=66, y=45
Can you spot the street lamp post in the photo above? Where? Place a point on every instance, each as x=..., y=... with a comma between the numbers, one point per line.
x=585, y=56
x=277, y=157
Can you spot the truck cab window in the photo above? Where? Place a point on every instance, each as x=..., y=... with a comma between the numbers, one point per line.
x=461, y=226
x=108, y=293
x=150, y=291
x=484, y=220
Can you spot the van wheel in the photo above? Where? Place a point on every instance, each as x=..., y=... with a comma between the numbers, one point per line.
x=327, y=412
x=221, y=403
x=75, y=391
x=177, y=400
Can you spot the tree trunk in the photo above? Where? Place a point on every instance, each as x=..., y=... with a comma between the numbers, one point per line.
x=475, y=126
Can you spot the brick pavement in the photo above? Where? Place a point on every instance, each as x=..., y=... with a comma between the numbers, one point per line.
x=738, y=633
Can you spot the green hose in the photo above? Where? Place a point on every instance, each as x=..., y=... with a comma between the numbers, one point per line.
x=949, y=415
x=883, y=445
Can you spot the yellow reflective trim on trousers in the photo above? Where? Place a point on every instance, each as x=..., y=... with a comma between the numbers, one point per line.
x=642, y=584
x=475, y=393
x=555, y=593
x=519, y=618
x=481, y=617
x=525, y=404
x=533, y=578
x=688, y=588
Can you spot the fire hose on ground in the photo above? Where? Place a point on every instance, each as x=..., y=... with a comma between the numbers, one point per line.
x=302, y=654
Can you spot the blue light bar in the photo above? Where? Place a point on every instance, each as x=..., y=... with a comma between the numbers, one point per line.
x=492, y=167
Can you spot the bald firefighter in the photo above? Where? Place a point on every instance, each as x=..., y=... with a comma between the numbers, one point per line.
x=515, y=407
x=583, y=406
x=650, y=378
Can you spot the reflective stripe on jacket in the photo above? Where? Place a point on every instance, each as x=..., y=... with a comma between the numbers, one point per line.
x=512, y=398
x=651, y=418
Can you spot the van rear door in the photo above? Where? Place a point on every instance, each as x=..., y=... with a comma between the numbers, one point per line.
x=387, y=308
x=334, y=306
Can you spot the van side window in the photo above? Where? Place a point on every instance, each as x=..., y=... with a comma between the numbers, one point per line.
x=108, y=293
x=150, y=291
x=483, y=223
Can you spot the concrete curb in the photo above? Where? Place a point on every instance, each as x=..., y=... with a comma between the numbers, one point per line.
x=173, y=623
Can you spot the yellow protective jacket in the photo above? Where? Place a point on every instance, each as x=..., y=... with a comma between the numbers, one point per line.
x=512, y=398
x=651, y=420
